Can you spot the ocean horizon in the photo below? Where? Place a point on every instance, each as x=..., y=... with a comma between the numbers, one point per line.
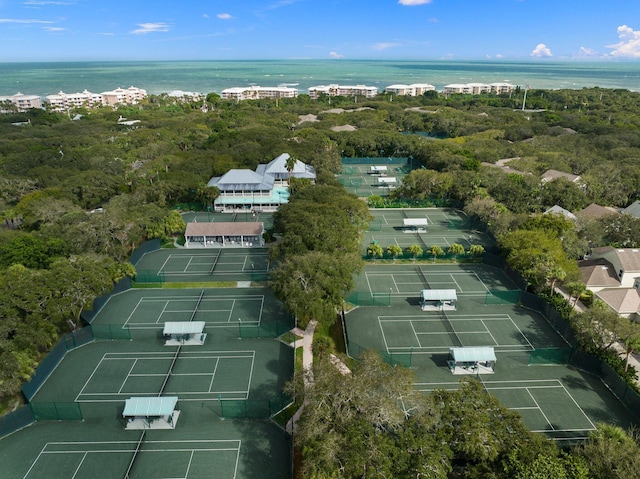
x=46, y=78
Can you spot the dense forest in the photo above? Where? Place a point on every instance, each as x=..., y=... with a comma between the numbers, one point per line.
x=79, y=191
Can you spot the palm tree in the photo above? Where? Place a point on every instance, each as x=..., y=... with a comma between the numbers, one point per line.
x=290, y=164
x=631, y=344
x=436, y=251
x=455, y=249
x=375, y=251
x=476, y=250
x=555, y=273
x=394, y=251
x=414, y=250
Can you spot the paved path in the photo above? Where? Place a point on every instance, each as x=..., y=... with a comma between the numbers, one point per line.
x=307, y=363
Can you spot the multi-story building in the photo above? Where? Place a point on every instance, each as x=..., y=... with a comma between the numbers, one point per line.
x=415, y=89
x=130, y=96
x=63, y=101
x=23, y=102
x=343, y=90
x=477, y=88
x=256, y=92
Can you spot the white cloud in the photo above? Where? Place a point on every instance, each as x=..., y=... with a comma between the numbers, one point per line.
x=150, y=28
x=585, y=52
x=433, y=20
x=54, y=29
x=335, y=55
x=204, y=15
x=23, y=21
x=224, y=16
x=629, y=45
x=413, y=3
x=39, y=3
x=385, y=45
x=541, y=51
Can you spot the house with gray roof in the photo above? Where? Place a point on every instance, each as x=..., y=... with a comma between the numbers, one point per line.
x=559, y=210
x=595, y=211
x=265, y=189
x=613, y=274
x=633, y=209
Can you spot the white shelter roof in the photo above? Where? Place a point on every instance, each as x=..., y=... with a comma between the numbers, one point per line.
x=414, y=222
x=472, y=355
x=183, y=327
x=149, y=406
x=439, y=295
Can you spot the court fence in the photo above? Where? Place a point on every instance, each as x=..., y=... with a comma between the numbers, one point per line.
x=144, y=248
x=365, y=298
x=546, y=356
x=56, y=411
x=251, y=409
x=499, y=262
x=400, y=358
x=502, y=297
x=148, y=277
x=89, y=315
x=271, y=329
x=392, y=160
x=15, y=420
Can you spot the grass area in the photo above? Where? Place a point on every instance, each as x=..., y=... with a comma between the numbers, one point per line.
x=289, y=337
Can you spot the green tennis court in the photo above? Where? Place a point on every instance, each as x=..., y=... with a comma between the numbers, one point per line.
x=195, y=376
x=206, y=264
x=431, y=333
x=374, y=176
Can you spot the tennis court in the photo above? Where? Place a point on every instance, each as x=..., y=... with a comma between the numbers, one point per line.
x=154, y=458
x=149, y=309
x=210, y=264
x=373, y=176
x=246, y=217
x=436, y=333
x=193, y=375
x=546, y=405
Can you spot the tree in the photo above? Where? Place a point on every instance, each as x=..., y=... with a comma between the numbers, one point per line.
x=414, y=250
x=455, y=249
x=313, y=285
x=436, y=251
x=290, y=164
x=598, y=328
x=611, y=453
x=575, y=289
x=394, y=251
x=631, y=342
x=375, y=251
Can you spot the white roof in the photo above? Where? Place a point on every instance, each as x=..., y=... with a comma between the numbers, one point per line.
x=378, y=168
x=183, y=327
x=439, y=295
x=414, y=221
x=387, y=179
x=149, y=406
x=472, y=355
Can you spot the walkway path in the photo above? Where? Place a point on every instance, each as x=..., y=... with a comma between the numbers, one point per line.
x=307, y=363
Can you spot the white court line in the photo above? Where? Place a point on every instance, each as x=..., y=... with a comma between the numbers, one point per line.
x=164, y=264
x=366, y=275
x=166, y=303
x=415, y=334
x=189, y=464
x=487, y=329
x=261, y=309
x=485, y=286
x=188, y=263
x=253, y=360
x=457, y=285
x=396, y=284
x=213, y=376
x=520, y=331
x=577, y=405
x=540, y=409
x=75, y=473
x=133, y=365
x=133, y=311
x=233, y=305
x=384, y=337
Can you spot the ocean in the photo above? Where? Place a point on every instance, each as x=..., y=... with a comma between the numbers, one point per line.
x=214, y=76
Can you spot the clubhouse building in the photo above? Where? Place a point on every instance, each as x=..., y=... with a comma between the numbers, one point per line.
x=265, y=189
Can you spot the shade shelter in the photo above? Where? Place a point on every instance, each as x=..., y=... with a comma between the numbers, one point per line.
x=378, y=170
x=224, y=234
x=413, y=225
x=472, y=360
x=182, y=333
x=151, y=412
x=438, y=299
x=389, y=181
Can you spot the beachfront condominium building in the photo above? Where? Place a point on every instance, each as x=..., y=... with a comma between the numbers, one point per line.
x=130, y=96
x=415, y=89
x=21, y=102
x=477, y=88
x=64, y=101
x=342, y=90
x=256, y=92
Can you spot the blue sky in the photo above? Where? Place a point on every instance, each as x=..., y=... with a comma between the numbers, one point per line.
x=62, y=30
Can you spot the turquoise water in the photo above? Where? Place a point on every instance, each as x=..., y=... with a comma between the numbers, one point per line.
x=212, y=76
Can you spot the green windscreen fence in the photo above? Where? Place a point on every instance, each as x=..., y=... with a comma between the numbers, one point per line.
x=149, y=277
x=264, y=330
x=459, y=224
x=110, y=331
x=56, y=411
x=360, y=298
x=551, y=355
x=251, y=409
x=502, y=297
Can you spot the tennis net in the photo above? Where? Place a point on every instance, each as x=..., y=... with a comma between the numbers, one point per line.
x=215, y=261
x=166, y=378
x=452, y=332
x=135, y=455
x=423, y=278
x=424, y=245
x=195, y=310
